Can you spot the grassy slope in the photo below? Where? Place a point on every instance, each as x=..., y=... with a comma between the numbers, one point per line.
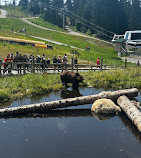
x=15, y=12
x=98, y=48
x=43, y=23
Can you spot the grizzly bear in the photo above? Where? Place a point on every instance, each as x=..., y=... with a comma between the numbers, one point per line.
x=71, y=77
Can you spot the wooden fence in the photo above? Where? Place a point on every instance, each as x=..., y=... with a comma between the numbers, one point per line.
x=33, y=67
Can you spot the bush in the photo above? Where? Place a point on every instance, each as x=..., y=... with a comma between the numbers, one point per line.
x=74, y=51
x=4, y=96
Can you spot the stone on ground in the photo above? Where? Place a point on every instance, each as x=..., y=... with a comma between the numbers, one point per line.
x=105, y=106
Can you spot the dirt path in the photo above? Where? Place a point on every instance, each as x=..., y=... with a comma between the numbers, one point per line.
x=51, y=41
x=132, y=59
x=70, y=32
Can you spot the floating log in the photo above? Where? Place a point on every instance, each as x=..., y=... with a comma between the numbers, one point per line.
x=33, y=108
x=130, y=110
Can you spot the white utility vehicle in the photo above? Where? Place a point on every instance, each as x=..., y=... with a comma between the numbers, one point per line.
x=132, y=38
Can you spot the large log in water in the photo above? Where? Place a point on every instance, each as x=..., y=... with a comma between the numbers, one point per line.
x=130, y=110
x=33, y=108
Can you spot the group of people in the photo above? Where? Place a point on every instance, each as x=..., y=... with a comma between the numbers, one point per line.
x=41, y=62
x=61, y=62
x=16, y=61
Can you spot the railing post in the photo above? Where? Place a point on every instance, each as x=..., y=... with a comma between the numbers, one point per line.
x=101, y=63
x=125, y=64
x=77, y=68
x=0, y=68
x=72, y=63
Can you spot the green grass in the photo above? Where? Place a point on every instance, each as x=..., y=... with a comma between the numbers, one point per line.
x=98, y=48
x=6, y=48
x=12, y=87
x=115, y=79
x=15, y=11
x=43, y=23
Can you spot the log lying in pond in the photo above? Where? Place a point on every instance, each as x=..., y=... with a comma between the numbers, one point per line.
x=130, y=110
x=33, y=108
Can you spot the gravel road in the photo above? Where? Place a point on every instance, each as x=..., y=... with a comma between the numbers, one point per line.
x=132, y=59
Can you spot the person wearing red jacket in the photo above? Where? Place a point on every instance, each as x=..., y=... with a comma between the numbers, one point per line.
x=98, y=63
x=7, y=64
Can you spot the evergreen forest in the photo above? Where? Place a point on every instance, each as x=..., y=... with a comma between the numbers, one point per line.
x=89, y=16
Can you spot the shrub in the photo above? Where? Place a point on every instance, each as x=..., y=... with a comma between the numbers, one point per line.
x=74, y=51
x=4, y=96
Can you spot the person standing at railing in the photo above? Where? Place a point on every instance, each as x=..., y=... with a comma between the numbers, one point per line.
x=65, y=60
x=98, y=63
x=43, y=62
x=8, y=64
x=5, y=64
x=75, y=62
x=26, y=60
x=48, y=62
x=55, y=62
x=138, y=63
x=19, y=63
x=10, y=60
x=59, y=60
x=38, y=59
x=15, y=60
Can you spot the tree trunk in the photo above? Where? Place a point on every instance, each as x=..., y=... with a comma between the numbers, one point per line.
x=130, y=110
x=67, y=102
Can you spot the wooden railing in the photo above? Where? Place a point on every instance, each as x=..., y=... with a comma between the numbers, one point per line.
x=33, y=67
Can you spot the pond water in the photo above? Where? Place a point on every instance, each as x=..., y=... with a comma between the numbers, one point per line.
x=66, y=133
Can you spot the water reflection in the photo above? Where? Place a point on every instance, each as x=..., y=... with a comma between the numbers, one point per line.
x=54, y=113
x=70, y=94
x=80, y=113
x=69, y=113
x=130, y=126
x=102, y=117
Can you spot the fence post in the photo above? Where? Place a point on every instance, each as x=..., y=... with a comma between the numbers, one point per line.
x=101, y=63
x=33, y=65
x=23, y=68
x=0, y=68
x=77, y=69
x=72, y=63
x=125, y=65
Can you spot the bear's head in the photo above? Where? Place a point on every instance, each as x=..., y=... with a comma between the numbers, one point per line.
x=79, y=77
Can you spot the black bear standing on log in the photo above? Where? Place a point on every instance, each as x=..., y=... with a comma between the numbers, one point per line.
x=71, y=77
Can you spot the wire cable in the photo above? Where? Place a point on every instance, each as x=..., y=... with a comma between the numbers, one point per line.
x=62, y=10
